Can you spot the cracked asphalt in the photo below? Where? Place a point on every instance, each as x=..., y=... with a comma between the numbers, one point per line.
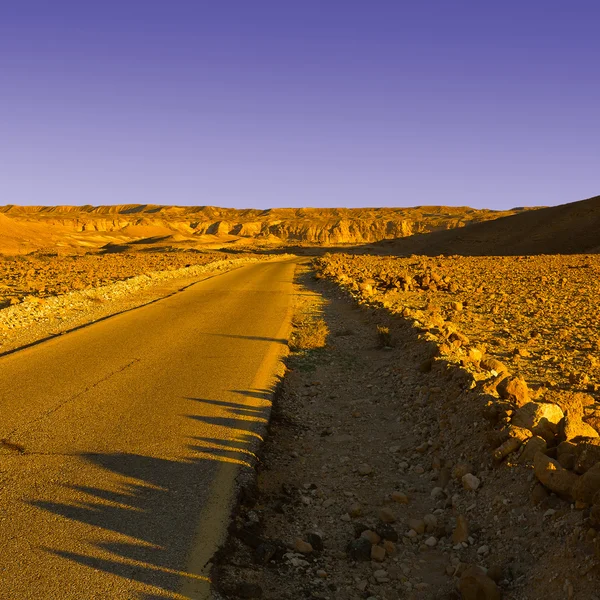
x=121, y=441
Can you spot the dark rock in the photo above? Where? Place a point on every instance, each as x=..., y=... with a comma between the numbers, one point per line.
x=386, y=532
x=264, y=553
x=359, y=528
x=359, y=549
x=249, y=536
x=315, y=540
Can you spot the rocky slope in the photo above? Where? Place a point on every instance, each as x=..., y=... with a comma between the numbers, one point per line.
x=23, y=228
x=572, y=228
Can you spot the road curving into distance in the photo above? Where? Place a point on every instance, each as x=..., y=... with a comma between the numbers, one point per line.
x=122, y=440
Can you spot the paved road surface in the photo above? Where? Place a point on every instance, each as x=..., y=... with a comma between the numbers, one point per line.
x=125, y=438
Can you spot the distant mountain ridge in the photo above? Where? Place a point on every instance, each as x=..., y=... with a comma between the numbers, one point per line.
x=185, y=225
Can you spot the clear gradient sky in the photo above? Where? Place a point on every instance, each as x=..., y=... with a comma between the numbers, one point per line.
x=264, y=103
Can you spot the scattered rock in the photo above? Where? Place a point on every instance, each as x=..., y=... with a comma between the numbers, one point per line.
x=387, y=515
x=587, y=485
x=491, y=364
x=513, y=389
x=461, y=531
x=470, y=482
x=365, y=470
x=359, y=549
x=372, y=536
x=303, y=547
x=378, y=553
x=573, y=427
x=552, y=475
x=474, y=584
x=399, y=497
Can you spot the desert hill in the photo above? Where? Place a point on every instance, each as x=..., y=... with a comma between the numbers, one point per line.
x=572, y=228
x=27, y=228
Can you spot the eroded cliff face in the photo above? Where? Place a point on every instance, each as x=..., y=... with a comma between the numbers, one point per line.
x=130, y=222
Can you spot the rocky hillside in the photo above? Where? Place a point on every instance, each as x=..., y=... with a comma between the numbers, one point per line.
x=572, y=228
x=31, y=227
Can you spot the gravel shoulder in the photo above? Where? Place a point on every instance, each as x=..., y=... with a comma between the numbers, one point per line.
x=38, y=317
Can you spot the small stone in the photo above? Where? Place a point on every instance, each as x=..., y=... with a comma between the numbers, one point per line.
x=386, y=531
x=315, y=539
x=321, y=573
x=474, y=584
x=303, y=547
x=438, y=493
x=377, y=553
x=399, y=497
x=461, y=531
x=387, y=516
x=365, y=470
x=491, y=364
x=470, y=482
x=359, y=549
x=461, y=469
x=390, y=547
x=417, y=525
x=355, y=510
x=483, y=550
x=456, y=305
x=373, y=537
x=475, y=354
x=430, y=523
x=264, y=553
x=431, y=542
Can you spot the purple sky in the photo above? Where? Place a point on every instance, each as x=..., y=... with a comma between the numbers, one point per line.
x=299, y=103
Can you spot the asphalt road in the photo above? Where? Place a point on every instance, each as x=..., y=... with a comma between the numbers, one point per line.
x=123, y=440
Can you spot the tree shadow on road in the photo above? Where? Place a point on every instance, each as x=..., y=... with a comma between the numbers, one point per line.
x=147, y=508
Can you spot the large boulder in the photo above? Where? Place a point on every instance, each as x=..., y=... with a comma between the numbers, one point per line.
x=531, y=448
x=541, y=418
x=553, y=476
x=572, y=427
x=587, y=454
x=587, y=485
x=513, y=389
x=574, y=402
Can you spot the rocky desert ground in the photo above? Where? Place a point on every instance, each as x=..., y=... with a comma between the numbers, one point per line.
x=443, y=443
